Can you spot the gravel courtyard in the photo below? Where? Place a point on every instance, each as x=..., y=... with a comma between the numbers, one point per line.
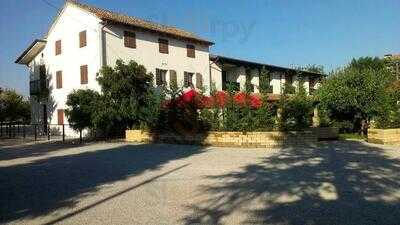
x=341, y=182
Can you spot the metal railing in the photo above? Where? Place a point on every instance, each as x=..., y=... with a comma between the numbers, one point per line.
x=38, y=132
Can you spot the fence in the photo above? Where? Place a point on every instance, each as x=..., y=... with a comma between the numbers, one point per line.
x=39, y=131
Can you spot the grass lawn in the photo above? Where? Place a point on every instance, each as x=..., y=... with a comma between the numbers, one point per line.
x=351, y=136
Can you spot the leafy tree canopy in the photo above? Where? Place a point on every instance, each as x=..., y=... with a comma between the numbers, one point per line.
x=358, y=91
x=82, y=106
x=13, y=107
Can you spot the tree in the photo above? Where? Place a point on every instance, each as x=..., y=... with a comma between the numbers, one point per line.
x=82, y=106
x=313, y=68
x=13, y=107
x=265, y=78
x=296, y=111
x=357, y=92
x=128, y=99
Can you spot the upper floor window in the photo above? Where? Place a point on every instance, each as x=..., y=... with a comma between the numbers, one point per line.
x=161, y=77
x=188, y=79
x=190, y=51
x=163, y=46
x=84, y=74
x=59, y=79
x=82, y=39
x=129, y=39
x=58, y=47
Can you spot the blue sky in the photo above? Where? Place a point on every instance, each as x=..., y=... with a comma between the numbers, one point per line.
x=280, y=32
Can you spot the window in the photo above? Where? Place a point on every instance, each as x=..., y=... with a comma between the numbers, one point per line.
x=188, y=79
x=190, y=51
x=82, y=39
x=199, y=81
x=59, y=79
x=173, y=81
x=129, y=39
x=60, y=116
x=161, y=77
x=84, y=74
x=58, y=47
x=163, y=46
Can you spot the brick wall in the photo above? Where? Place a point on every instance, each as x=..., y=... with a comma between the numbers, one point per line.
x=229, y=139
x=384, y=136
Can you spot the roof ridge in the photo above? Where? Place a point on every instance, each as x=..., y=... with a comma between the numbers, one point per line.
x=135, y=21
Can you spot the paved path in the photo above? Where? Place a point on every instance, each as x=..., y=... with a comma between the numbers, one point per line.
x=119, y=183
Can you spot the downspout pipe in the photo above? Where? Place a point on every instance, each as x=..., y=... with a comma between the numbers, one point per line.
x=101, y=42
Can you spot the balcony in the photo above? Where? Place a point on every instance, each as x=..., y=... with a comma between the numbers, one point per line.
x=37, y=87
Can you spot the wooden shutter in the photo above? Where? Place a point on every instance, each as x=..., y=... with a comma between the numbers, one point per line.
x=190, y=50
x=173, y=80
x=60, y=116
x=158, y=77
x=59, y=79
x=84, y=74
x=58, y=47
x=163, y=46
x=199, y=81
x=129, y=39
x=82, y=39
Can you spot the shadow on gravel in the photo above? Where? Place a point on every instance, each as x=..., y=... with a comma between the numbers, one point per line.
x=337, y=183
x=43, y=186
x=32, y=149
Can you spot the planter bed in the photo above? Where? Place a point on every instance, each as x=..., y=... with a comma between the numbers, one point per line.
x=228, y=139
x=384, y=136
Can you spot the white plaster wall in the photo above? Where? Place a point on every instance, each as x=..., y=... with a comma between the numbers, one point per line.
x=216, y=75
x=72, y=21
x=147, y=53
x=66, y=28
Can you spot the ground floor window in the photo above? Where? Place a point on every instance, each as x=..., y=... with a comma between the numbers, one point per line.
x=161, y=77
x=188, y=79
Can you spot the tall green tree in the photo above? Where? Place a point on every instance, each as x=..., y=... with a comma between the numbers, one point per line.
x=14, y=107
x=358, y=92
x=82, y=106
x=128, y=99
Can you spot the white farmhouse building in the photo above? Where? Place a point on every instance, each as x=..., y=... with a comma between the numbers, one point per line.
x=84, y=38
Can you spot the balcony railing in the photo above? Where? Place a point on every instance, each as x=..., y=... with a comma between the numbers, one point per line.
x=36, y=87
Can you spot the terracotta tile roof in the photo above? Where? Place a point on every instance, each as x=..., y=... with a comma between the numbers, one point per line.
x=107, y=15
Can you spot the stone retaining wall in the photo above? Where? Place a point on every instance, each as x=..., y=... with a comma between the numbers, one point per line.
x=384, y=136
x=229, y=139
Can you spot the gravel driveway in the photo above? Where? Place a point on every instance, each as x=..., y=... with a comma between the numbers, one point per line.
x=118, y=183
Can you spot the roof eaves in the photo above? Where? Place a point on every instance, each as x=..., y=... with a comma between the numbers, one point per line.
x=28, y=49
x=215, y=57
